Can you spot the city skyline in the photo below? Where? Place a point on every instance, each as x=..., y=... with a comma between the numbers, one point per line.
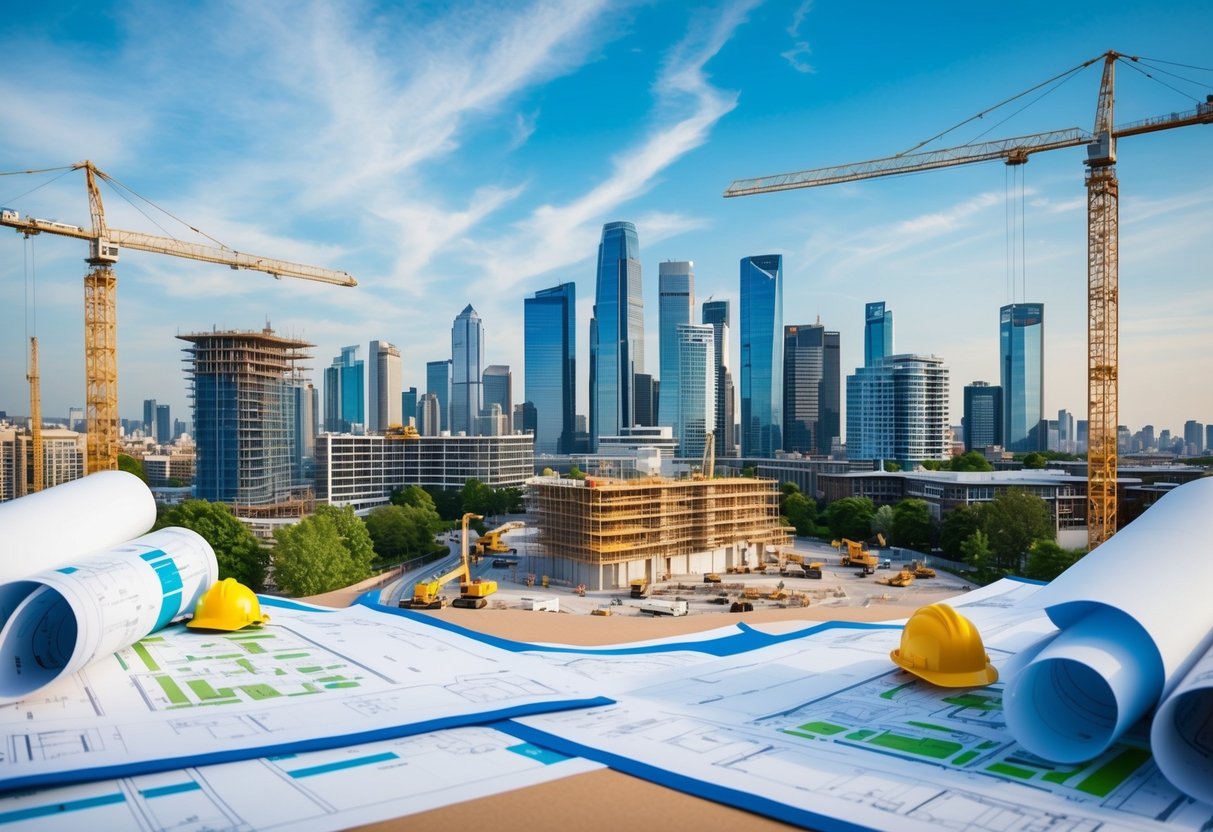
x=503, y=187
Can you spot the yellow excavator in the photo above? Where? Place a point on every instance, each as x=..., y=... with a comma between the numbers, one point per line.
x=490, y=543
x=473, y=594
x=859, y=556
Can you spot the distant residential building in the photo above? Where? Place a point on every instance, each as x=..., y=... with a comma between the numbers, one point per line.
x=761, y=355
x=1080, y=434
x=467, y=367
x=345, y=392
x=384, y=386
x=897, y=409
x=174, y=469
x=676, y=299
x=616, y=331
x=1209, y=437
x=438, y=384
x=499, y=390
x=811, y=389
x=63, y=459
x=550, y=368
x=982, y=416
x=716, y=314
x=877, y=333
x=696, y=406
x=1022, y=362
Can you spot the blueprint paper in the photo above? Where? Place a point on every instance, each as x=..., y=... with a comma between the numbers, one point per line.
x=310, y=679
x=59, y=620
x=1182, y=733
x=51, y=528
x=1122, y=647
x=315, y=791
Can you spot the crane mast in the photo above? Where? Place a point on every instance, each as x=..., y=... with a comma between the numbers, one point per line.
x=35, y=415
x=100, y=301
x=1102, y=251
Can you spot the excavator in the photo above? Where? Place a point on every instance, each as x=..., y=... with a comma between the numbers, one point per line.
x=858, y=555
x=473, y=594
x=490, y=543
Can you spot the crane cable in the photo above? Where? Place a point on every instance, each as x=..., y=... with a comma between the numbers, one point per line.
x=119, y=187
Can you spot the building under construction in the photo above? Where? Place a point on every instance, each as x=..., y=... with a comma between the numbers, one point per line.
x=605, y=533
x=242, y=384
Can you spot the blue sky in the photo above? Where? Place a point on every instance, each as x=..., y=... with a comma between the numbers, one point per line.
x=455, y=153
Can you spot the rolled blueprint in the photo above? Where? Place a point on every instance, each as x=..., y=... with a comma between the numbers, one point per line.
x=1182, y=734
x=49, y=528
x=62, y=619
x=1124, y=642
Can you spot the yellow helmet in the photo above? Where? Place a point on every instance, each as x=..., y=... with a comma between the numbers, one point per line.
x=943, y=647
x=227, y=605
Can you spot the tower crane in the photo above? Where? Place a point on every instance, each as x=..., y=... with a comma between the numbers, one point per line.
x=100, y=308
x=35, y=414
x=1102, y=258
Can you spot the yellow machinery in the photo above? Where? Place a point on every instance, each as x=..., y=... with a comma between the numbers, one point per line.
x=473, y=594
x=490, y=542
x=100, y=301
x=640, y=588
x=401, y=432
x=921, y=570
x=903, y=578
x=1103, y=235
x=858, y=555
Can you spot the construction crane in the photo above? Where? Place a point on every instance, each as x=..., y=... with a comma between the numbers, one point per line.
x=100, y=313
x=473, y=592
x=1102, y=256
x=35, y=414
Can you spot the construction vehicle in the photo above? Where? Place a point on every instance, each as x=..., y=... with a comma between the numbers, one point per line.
x=859, y=556
x=778, y=593
x=600, y=611
x=473, y=593
x=921, y=570
x=100, y=300
x=490, y=543
x=741, y=606
x=903, y=578
x=401, y=432
x=711, y=578
x=640, y=588
x=1103, y=240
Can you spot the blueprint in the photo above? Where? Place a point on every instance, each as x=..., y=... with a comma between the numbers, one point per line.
x=314, y=791
x=313, y=678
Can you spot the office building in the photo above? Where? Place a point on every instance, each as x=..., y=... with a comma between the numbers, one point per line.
x=696, y=405
x=1066, y=441
x=761, y=355
x=1209, y=437
x=550, y=368
x=646, y=392
x=345, y=392
x=877, y=332
x=1194, y=437
x=982, y=416
x=675, y=301
x=304, y=407
x=242, y=385
x=408, y=407
x=467, y=367
x=149, y=418
x=716, y=314
x=616, y=331
x=164, y=424
x=1022, y=364
x=384, y=384
x=429, y=415
x=499, y=390
x=438, y=384
x=897, y=410
x=75, y=419
x=812, y=394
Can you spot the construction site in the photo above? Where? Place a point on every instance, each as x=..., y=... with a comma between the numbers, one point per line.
x=606, y=533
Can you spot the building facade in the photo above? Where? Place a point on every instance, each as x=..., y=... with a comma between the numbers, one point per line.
x=438, y=384
x=877, y=332
x=344, y=392
x=550, y=369
x=467, y=368
x=304, y=408
x=164, y=424
x=676, y=300
x=408, y=407
x=982, y=416
x=761, y=355
x=616, y=331
x=812, y=400
x=384, y=385
x=1021, y=363
x=696, y=406
x=716, y=315
x=897, y=409
x=499, y=390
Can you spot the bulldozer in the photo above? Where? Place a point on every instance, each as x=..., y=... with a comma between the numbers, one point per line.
x=921, y=570
x=903, y=578
x=473, y=593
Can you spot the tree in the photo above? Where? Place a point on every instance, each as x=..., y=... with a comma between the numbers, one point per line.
x=309, y=557
x=477, y=498
x=749, y=472
x=132, y=466
x=1035, y=460
x=801, y=513
x=400, y=533
x=239, y=554
x=912, y=524
x=882, y=522
x=958, y=524
x=354, y=538
x=892, y=466
x=1013, y=521
x=1047, y=560
x=976, y=552
x=971, y=461
x=413, y=495
x=850, y=517
x=576, y=473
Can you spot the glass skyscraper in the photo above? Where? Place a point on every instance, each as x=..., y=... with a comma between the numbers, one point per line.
x=676, y=298
x=384, y=387
x=877, y=332
x=345, y=393
x=761, y=355
x=983, y=416
x=550, y=366
x=696, y=387
x=1022, y=363
x=467, y=366
x=499, y=390
x=716, y=315
x=898, y=409
x=438, y=384
x=616, y=332
x=811, y=389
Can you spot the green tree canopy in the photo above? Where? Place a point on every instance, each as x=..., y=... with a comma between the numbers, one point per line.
x=912, y=524
x=801, y=512
x=892, y=466
x=958, y=524
x=971, y=461
x=850, y=517
x=239, y=554
x=1013, y=521
x=400, y=533
x=354, y=538
x=413, y=495
x=576, y=473
x=477, y=498
x=976, y=552
x=1047, y=560
x=882, y=522
x=327, y=551
x=1035, y=460
x=132, y=466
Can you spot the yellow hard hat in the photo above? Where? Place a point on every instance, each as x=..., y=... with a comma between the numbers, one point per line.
x=943, y=647
x=227, y=605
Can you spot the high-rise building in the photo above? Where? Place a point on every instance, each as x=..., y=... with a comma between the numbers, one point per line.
x=75, y=419
x=550, y=368
x=383, y=388
x=983, y=416
x=408, y=407
x=467, y=365
x=616, y=331
x=646, y=392
x=1194, y=437
x=303, y=425
x=716, y=314
x=429, y=418
x=1209, y=437
x=1022, y=363
x=149, y=418
x=345, y=393
x=898, y=409
x=696, y=406
x=499, y=390
x=877, y=332
x=761, y=355
x=676, y=299
x=1066, y=441
x=242, y=385
x=438, y=384
x=164, y=424
x=811, y=389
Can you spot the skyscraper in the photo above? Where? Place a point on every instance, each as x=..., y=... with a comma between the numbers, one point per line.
x=345, y=393
x=550, y=347
x=646, y=392
x=243, y=391
x=149, y=418
x=467, y=364
x=676, y=298
x=898, y=409
x=877, y=332
x=1022, y=362
x=716, y=314
x=164, y=424
x=499, y=390
x=811, y=389
x=303, y=429
x=384, y=386
x=982, y=416
x=616, y=331
x=438, y=384
x=429, y=415
x=761, y=355
x=696, y=405
x=408, y=407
